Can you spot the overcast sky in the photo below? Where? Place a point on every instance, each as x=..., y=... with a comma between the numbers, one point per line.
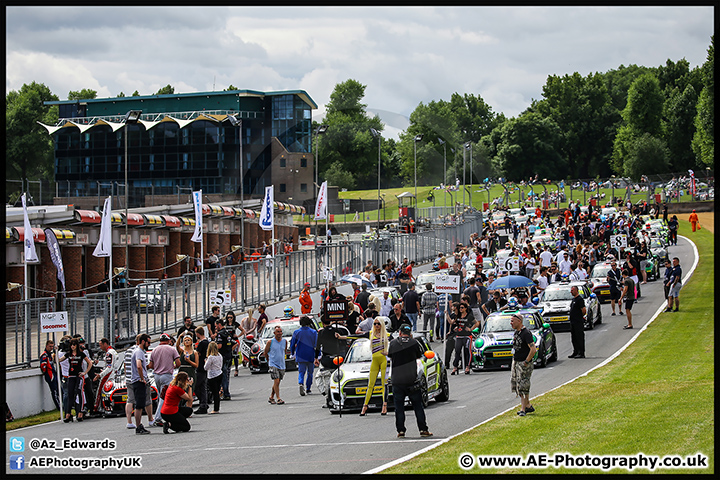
x=404, y=55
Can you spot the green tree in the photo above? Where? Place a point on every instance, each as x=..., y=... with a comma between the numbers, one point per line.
x=120, y=95
x=28, y=147
x=83, y=94
x=642, y=114
x=231, y=87
x=135, y=94
x=348, y=143
x=529, y=145
x=338, y=176
x=582, y=108
x=679, y=125
x=646, y=155
x=703, y=143
x=166, y=90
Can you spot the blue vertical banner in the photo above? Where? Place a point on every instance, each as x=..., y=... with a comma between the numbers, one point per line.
x=55, y=255
x=267, y=214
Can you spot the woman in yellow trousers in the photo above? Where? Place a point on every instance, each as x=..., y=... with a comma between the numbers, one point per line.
x=379, y=344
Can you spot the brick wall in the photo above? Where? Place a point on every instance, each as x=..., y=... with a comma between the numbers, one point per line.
x=155, y=260
x=72, y=259
x=138, y=263
x=96, y=269
x=171, y=252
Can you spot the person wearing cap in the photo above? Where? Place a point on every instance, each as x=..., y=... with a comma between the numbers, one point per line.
x=522, y=363
x=404, y=352
x=305, y=300
x=163, y=360
x=614, y=279
x=693, y=219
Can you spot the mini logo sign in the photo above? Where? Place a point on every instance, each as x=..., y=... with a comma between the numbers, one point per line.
x=82, y=238
x=336, y=310
x=144, y=239
x=163, y=240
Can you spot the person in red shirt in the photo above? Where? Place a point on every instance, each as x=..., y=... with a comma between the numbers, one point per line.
x=409, y=270
x=174, y=415
x=305, y=300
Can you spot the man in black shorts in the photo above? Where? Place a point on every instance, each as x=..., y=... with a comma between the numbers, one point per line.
x=522, y=364
x=628, y=293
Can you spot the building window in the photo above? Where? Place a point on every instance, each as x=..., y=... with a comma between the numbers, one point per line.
x=282, y=188
x=303, y=188
x=282, y=163
x=303, y=162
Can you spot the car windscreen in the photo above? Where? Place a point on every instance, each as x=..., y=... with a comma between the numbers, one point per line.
x=424, y=278
x=600, y=271
x=557, y=294
x=287, y=328
x=501, y=323
x=360, y=351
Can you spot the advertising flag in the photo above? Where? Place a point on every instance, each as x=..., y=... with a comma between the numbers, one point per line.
x=321, y=205
x=197, y=204
x=104, y=245
x=267, y=214
x=55, y=255
x=29, y=242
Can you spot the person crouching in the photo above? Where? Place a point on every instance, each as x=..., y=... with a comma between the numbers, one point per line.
x=175, y=415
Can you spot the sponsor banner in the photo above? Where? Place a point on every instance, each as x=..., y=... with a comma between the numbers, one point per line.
x=267, y=214
x=336, y=310
x=55, y=255
x=447, y=283
x=53, y=322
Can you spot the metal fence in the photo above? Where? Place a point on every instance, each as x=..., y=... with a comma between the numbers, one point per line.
x=160, y=306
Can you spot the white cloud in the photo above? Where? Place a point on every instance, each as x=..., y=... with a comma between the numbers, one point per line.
x=404, y=55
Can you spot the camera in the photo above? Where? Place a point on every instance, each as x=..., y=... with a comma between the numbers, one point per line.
x=64, y=346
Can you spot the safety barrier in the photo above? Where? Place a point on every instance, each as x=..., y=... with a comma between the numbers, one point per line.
x=160, y=306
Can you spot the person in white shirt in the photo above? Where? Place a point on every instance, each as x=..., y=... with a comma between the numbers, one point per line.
x=542, y=280
x=385, y=304
x=546, y=257
x=565, y=266
x=561, y=254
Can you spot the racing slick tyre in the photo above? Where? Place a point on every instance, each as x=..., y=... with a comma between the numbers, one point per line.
x=542, y=359
x=590, y=321
x=444, y=394
x=554, y=354
x=424, y=392
x=598, y=317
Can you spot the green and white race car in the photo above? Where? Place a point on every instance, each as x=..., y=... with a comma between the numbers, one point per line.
x=349, y=383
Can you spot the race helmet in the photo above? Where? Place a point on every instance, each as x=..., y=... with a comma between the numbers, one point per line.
x=535, y=300
x=512, y=302
x=564, y=277
x=288, y=311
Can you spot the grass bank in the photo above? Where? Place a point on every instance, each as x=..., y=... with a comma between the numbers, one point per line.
x=657, y=397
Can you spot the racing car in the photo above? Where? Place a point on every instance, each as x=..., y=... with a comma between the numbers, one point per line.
x=555, y=303
x=598, y=278
x=252, y=347
x=492, y=346
x=349, y=383
x=114, y=391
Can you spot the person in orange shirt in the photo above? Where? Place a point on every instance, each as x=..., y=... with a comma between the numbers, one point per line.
x=305, y=300
x=693, y=220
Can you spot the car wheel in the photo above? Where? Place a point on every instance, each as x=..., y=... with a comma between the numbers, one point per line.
x=598, y=317
x=444, y=394
x=554, y=354
x=424, y=392
x=591, y=321
x=542, y=355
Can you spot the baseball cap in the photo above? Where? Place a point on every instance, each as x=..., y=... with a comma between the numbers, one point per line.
x=164, y=337
x=405, y=328
x=307, y=284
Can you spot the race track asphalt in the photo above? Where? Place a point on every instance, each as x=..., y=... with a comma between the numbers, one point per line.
x=251, y=436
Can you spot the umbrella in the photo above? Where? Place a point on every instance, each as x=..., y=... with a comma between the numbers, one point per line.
x=357, y=279
x=511, y=281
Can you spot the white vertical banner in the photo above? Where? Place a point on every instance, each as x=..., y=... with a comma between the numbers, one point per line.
x=29, y=240
x=321, y=204
x=197, y=205
x=104, y=245
x=267, y=214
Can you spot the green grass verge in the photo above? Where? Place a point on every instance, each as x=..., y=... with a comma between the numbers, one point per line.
x=657, y=397
x=43, y=417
